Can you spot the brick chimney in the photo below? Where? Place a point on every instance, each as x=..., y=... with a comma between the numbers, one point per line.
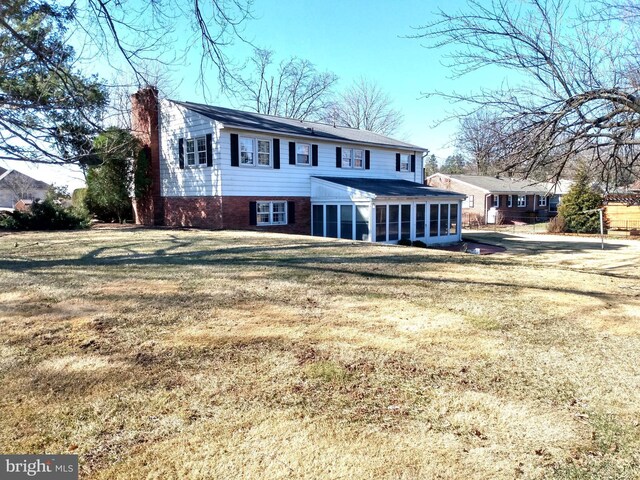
x=149, y=209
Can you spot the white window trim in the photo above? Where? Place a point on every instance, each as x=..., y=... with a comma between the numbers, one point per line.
x=271, y=222
x=496, y=201
x=509, y=201
x=352, y=157
x=542, y=201
x=310, y=155
x=256, y=152
x=522, y=204
x=404, y=164
x=196, y=160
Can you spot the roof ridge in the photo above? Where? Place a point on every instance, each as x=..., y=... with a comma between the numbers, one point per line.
x=306, y=124
x=7, y=172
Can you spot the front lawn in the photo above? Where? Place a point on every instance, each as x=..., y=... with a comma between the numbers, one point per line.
x=200, y=355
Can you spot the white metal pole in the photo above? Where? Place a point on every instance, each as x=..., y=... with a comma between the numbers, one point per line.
x=601, y=229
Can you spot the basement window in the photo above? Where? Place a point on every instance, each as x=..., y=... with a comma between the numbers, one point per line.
x=271, y=213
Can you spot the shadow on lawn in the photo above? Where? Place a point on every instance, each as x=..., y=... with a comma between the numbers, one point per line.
x=303, y=258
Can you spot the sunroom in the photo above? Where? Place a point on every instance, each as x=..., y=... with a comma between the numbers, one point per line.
x=381, y=210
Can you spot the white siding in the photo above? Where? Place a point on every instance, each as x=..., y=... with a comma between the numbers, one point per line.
x=177, y=122
x=8, y=198
x=295, y=180
x=222, y=179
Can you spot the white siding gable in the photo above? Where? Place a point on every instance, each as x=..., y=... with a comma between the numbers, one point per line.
x=327, y=191
x=177, y=122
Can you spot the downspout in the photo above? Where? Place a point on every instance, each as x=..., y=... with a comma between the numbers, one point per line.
x=486, y=208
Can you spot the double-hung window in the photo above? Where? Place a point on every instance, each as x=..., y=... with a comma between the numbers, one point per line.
x=542, y=201
x=496, y=201
x=303, y=154
x=509, y=201
x=196, y=151
x=522, y=201
x=405, y=162
x=468, y=202
x=352, y=158
x=271, y=213
x=255, y=152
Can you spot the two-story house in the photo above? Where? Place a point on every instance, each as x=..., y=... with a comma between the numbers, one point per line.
x=220, y=168
x=18, y=189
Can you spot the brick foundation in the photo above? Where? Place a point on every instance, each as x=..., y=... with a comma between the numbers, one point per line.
x=201, y=212
x=236, y=215
x=230, y=213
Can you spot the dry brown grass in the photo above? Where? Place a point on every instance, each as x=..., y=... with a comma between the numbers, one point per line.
x=175, y=354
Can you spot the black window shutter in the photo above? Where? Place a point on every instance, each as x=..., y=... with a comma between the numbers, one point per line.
x=253, y=217
x=276, y=153
x=235, y=150
x=413, y=163
x=181, y=152
x=338, y=157
x=314, y=155
x=291, y=212
x=367, y=159
x=292, y=153
x=397, y=162
x=209, y=150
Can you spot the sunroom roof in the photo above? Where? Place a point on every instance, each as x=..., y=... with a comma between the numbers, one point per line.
x=391, y=188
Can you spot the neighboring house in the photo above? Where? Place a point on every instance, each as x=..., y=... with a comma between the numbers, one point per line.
x=16, y=186
x=220, y=168
x=622, y=210
x=497, y=200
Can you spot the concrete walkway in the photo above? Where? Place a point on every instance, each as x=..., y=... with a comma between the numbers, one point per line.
x=619, y=256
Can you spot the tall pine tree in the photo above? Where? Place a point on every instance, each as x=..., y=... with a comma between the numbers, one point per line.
x=49, y=111
x=581, y=197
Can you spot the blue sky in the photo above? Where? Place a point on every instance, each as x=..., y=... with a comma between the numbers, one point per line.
x=352, y=39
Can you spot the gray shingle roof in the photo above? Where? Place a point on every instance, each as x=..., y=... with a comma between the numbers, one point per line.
x=503, y=185
x=391, y=188
x=288, y=126
x=14, y=175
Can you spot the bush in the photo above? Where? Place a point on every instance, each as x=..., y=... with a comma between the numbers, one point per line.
x=47, y=215
x=419, y=244
x=78, y=198
x=556, y=225
x=404, y=241
x=108, y=184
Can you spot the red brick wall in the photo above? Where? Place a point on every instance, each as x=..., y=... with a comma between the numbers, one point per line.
x=231, y=213
x=521, y=214
x=144, y=126
x=235, y=211
x=201, y=212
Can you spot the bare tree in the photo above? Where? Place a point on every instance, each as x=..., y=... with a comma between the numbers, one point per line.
x=479, y=137
x=579, y=93
x=22, y=186
x=143, y=33
x=364, y=105
x=295, y=89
